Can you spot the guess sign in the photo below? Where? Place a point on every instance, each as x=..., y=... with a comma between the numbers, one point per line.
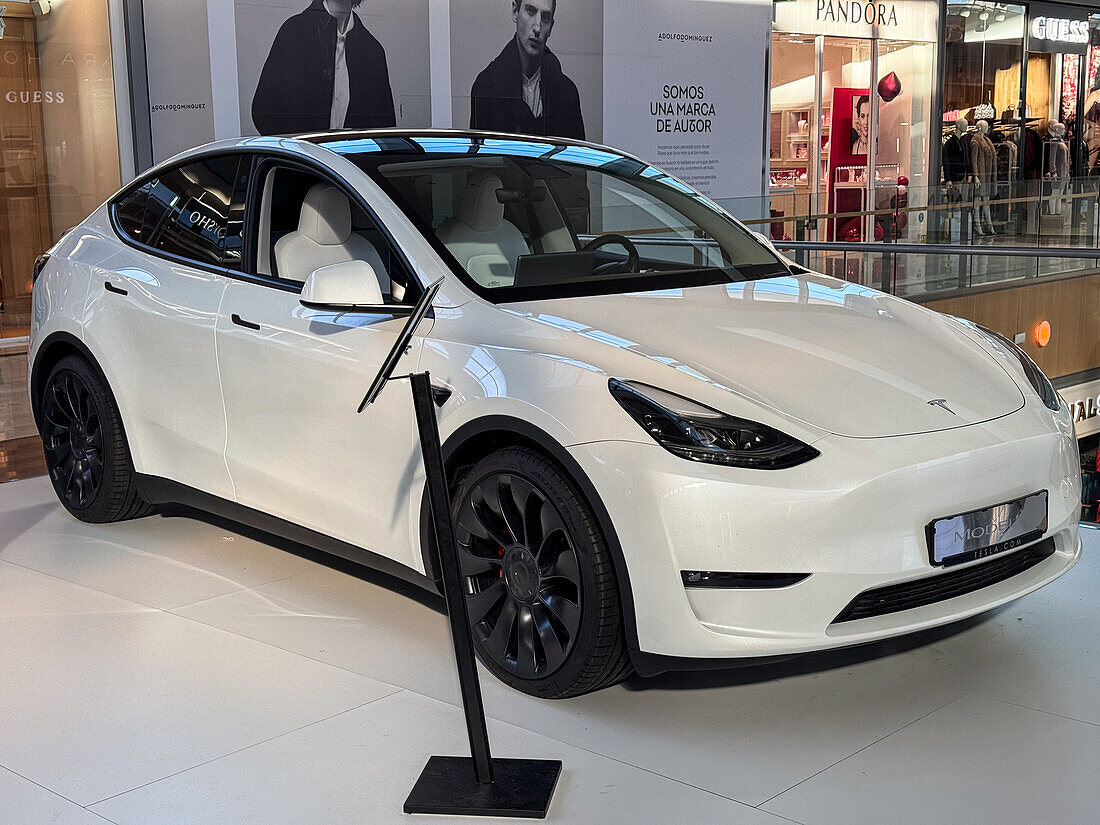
x=1061, y=31
x=1052, y=31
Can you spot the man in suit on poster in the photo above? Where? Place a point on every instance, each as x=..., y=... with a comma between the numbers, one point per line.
x=325, y=70
x=524, y=89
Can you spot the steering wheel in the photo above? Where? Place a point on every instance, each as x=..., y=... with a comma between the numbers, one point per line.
x=633, y=259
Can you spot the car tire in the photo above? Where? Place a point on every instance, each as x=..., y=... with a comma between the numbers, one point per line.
x=540, y=584
x=87, y=457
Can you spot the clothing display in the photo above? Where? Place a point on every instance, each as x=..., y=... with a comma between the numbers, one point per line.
x=1031, y=163
x=1058, y=172
x=1058, y=159
x=956, y=160
x=983, y=165
x=983, y=157
x=1006, y=159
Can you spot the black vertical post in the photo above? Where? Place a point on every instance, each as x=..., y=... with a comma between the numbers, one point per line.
x=439, y=498
x=455, y=785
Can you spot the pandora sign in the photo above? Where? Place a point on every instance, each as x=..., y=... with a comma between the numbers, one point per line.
x=901, y=19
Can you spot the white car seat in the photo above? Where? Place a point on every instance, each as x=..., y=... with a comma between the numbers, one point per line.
x=483, y=243
x=324, y=237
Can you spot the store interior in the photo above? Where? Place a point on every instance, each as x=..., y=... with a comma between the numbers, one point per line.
x=1032, y=98
x=822, y=113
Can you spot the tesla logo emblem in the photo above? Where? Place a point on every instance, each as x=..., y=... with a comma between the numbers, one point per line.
x=941, y=402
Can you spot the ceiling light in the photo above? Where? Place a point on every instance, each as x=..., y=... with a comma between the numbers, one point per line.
x=964, y=13
x=983, y=16
x=999, y=17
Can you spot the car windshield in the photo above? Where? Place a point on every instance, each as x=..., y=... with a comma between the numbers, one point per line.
x=525, y=220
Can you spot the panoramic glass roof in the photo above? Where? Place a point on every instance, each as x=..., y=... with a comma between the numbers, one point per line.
x=588, y=156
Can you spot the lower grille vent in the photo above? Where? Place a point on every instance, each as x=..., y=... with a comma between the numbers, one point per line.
x=934, y=589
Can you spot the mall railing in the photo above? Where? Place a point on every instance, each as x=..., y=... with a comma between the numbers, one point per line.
x=942, y=240
x=934, y=270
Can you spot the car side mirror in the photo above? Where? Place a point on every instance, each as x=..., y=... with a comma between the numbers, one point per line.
x=347, y=287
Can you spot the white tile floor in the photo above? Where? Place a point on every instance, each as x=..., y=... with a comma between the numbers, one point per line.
x=177, y=670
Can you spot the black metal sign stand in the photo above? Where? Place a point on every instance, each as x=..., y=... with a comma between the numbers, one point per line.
x=476, y=785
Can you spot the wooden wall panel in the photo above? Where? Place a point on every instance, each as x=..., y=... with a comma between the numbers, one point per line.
x=1071, y=305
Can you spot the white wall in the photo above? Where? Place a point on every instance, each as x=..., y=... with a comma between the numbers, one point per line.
x=177, y=46
x=727, y=161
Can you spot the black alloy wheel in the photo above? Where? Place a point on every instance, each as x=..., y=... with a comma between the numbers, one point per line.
x=540, y=590
x=72, y=434
x=86, y=453
x=522, y=576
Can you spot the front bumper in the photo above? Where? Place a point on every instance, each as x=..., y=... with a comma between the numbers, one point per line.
x=853, y=518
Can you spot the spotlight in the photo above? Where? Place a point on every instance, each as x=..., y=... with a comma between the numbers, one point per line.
x=964, y=13
x=983, y=16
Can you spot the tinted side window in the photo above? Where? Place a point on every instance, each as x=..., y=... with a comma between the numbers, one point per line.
x=288, y=252
x=233, y=254
x=188, y=212
x=130, y=212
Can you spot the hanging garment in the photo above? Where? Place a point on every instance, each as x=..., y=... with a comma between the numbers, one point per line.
x=1006, y=160
x=983, y=157
x=956, y=161
x=1058, y=160
x=1032, y=160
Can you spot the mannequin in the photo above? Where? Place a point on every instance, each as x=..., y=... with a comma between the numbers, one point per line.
x=983, y=166
x=1057, y=167
x=956, y=160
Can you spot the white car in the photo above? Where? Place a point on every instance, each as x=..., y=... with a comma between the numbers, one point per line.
x=667, y=444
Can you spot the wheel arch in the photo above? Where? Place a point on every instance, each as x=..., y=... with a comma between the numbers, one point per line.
x=55, y=347
x=480, y=437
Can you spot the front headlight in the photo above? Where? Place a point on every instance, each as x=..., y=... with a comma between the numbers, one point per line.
x=700, y=433
x=1035, y=376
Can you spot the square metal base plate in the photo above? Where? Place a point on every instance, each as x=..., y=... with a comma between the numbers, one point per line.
x=522, y=788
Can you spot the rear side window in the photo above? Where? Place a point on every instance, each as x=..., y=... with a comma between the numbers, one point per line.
x=194, y=211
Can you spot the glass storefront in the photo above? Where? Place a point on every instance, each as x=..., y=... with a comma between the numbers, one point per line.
x=59, y=154
x=1021, y=122
x=1090, y=479
x=861, y=122
x=850, y=108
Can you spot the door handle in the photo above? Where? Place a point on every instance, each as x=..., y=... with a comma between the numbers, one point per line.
x=241, y=322
x=117, y=290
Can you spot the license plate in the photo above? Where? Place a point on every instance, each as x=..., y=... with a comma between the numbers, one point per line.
x=982, y=533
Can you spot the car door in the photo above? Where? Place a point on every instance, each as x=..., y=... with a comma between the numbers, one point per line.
x=151, y=318
x=293, y=379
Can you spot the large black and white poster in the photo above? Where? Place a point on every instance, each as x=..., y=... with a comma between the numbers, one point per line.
x=528, y=66
x=314, y=65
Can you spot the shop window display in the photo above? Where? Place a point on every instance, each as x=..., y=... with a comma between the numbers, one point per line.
x=850, y=119
x=58, y=136
x=1090, y=109
x=1026, y=76
x=1090, y=479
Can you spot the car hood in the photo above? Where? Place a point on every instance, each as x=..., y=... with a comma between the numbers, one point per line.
x=839, y=357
